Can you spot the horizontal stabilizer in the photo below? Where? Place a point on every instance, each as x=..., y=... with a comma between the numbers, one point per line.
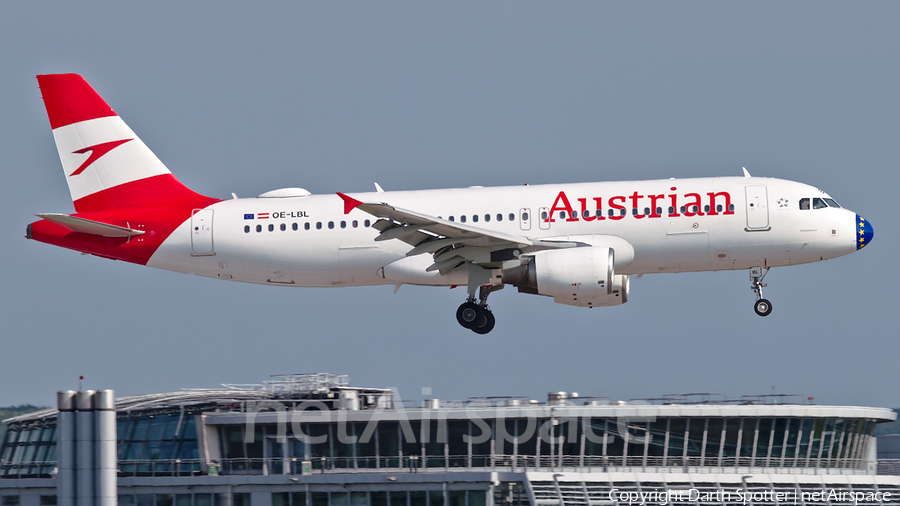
x=76, y=224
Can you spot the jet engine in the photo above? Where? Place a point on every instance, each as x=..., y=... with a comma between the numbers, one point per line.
x=583, y=276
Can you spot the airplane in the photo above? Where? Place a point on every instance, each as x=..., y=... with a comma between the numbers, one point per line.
x=577, y=243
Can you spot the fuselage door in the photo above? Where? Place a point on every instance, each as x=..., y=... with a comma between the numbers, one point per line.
x=525, y=219
x=202, y=232
x=757, y=208
x=544, y=218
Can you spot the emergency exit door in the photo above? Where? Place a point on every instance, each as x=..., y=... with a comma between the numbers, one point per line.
x=202, y=232
x=757, y=208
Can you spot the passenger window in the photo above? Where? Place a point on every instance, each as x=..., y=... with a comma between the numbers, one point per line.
x=611, y=212
x=294, y=226
x=451, y=218
x=622, y=212
x=499, y=217
x=512, y=217
x=318, y=225
x=646, y=211
x=367, y=223
x=562, y=215
x=598, y=213
x=259, y=228
x=683, y=209
x=524, y=216
x=819, y=203
x=330, y=225
x=719, y=208
x=271, y=228
x=487, y=217
x=462, y=218
x=634, y=211
x=306, y=226
x=283, y=227
x=246, y=229
x=671, y=210
x=659, y=211
x=706, y=208
x=475, y=218
x=543, y=215
x=587, y=214
x=355, y=224
x=731, y=207
x=343, y=224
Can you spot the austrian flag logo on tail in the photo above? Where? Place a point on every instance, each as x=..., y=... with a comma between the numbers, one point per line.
x=97, y=151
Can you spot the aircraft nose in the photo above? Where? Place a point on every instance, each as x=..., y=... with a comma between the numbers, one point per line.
x=864, y=232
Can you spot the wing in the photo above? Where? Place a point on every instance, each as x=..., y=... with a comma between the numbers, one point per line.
x=452, y=244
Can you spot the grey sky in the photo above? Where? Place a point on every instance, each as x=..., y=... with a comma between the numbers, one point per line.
x=330, y=96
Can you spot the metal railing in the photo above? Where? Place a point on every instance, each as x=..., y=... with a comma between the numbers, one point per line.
x=176, y=467
x=889, y=466
x=441, y=463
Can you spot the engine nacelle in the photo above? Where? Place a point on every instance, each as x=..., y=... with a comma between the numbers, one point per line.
x=582, y=276
x=621, y=284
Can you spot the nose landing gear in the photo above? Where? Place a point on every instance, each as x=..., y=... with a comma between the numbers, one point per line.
x=762, y=306
x=476, y=317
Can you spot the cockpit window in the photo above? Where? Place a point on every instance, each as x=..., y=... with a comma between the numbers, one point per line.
x=818, y=203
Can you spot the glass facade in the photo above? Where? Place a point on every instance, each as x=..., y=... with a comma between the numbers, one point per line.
x=151, y=444
x=392, y=497
x=29, y=449
x=199, y=499
x=166, y=443
x=547, y=443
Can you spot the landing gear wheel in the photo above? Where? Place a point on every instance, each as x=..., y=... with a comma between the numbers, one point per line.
x=488, y=323
x=470, y=315
x=763, y=307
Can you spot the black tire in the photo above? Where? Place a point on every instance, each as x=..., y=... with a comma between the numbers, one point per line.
x=763, y=307
x=488, y=324
x=469, y=315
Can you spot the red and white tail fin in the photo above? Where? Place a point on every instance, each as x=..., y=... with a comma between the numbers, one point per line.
x=106, y=165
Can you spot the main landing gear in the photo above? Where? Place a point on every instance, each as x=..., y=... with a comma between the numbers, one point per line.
x=762, y=306
x=476, y=317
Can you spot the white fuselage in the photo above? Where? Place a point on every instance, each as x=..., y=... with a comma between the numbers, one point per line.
x=309, y=241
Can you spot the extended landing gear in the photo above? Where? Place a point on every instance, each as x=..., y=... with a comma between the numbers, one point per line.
x=762, y=306
x=476, y=317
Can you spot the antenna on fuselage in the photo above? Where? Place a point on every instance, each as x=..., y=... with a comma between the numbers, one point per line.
x=746, y=174
x=378, y=188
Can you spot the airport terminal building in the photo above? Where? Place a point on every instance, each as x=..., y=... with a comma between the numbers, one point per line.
x=314, y=440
